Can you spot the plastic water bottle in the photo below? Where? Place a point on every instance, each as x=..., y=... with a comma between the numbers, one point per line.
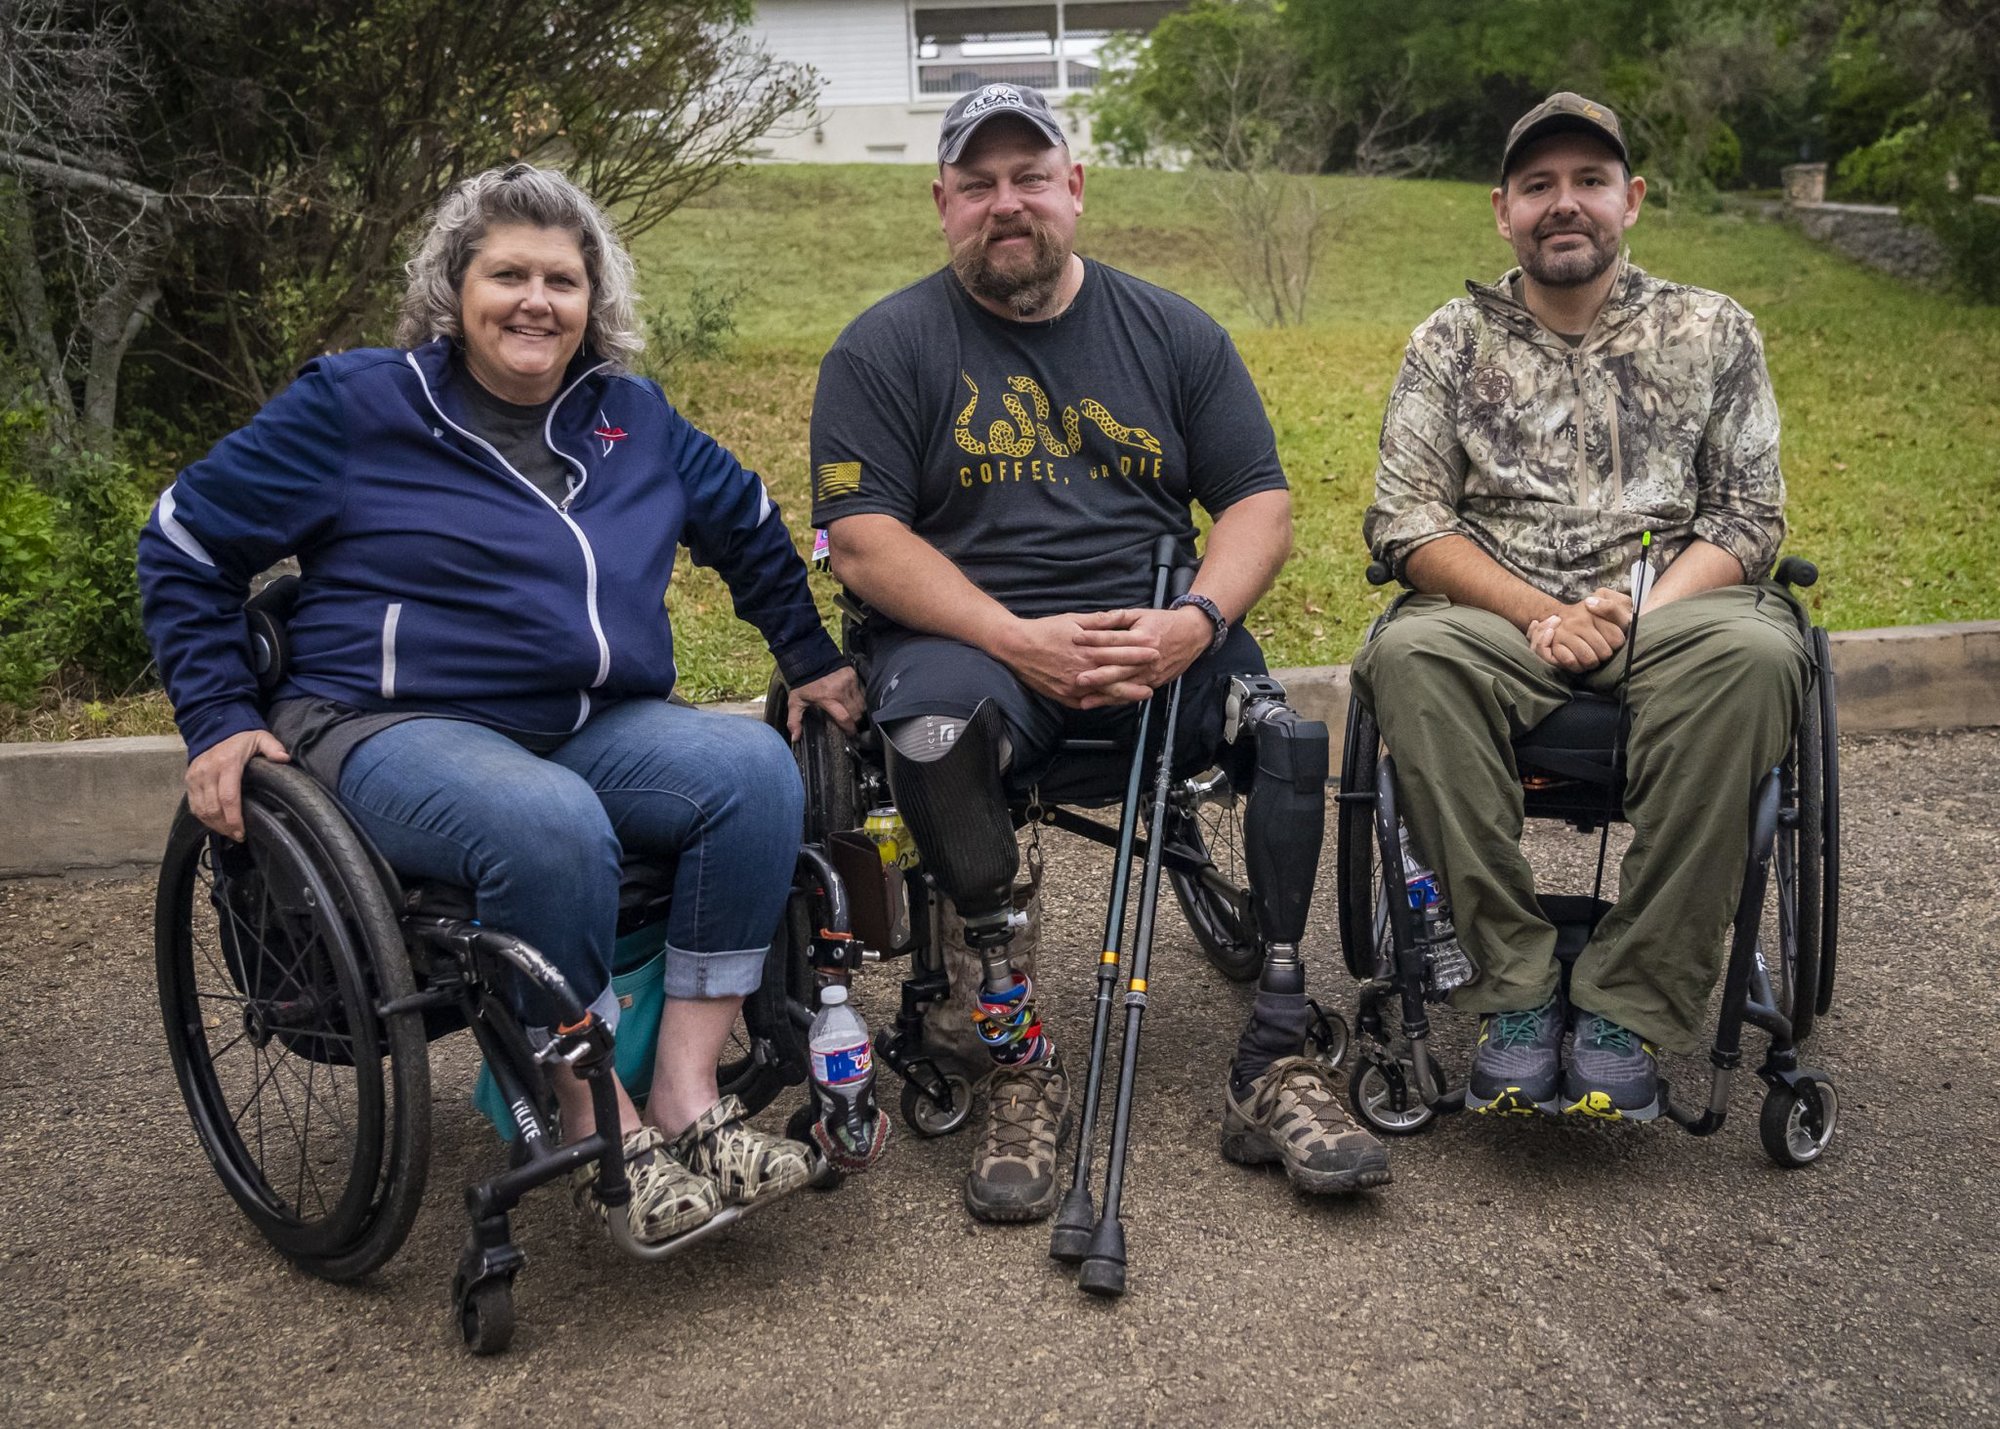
x=849, y=1129
x=1446, y=964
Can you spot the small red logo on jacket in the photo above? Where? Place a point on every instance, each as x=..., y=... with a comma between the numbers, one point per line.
x=607, y=433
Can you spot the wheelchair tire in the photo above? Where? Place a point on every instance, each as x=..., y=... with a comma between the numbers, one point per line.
x=826, y=768
x=273, y=957
x=1224, y=925
x=1357, y=872
x=1805, y=844
x=1829, y=825
x=766, y=1051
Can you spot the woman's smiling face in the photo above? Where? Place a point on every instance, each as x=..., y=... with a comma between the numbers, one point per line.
x=523, y=306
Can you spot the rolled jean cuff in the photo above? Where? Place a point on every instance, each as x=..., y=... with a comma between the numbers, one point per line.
x=735, y=973
x=605, y=1005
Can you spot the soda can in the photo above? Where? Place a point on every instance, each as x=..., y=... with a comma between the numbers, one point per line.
x=891, y=837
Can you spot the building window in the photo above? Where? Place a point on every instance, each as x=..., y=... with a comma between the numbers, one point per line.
x=1051, y=47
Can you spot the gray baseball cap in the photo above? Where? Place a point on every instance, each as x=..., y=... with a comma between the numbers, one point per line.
x=1559, y=113
x=974, y=109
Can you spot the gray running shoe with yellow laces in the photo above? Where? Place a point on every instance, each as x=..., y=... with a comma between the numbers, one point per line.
x=1613, y=1072
x=1518, y=1062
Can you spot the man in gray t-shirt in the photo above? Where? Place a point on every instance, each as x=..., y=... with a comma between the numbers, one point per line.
x=996, y=451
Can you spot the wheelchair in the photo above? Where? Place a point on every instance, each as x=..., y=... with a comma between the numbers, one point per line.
x=300, y=980
x=897, y=913
x=1572, y=771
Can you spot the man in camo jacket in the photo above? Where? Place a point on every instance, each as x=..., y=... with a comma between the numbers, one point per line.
x=1538, y=429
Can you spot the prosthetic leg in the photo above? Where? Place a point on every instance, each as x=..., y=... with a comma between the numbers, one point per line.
x=945, y=774
x=1283, y=828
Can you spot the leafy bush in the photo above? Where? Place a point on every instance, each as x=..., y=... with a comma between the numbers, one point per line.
x=69, y=589
x=1939, y=157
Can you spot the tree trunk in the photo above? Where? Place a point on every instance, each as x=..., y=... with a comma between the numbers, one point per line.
x=115, y=320
x=28, y=307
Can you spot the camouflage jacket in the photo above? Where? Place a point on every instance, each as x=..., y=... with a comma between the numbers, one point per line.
x=1556, y=459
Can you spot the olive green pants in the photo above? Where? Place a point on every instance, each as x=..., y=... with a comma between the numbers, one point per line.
x=1715, y=688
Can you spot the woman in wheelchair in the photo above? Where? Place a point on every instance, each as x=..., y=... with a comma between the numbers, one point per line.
x=480, y=659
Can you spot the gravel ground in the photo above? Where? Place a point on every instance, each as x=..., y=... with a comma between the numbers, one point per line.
x=1544, y=1271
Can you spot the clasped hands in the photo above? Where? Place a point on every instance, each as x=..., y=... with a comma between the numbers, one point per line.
x=1580, y=637
x=1094, y=659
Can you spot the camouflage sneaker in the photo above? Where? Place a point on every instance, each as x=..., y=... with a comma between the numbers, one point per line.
x=1613, y=1073
x=744, y=1165
x=667, y=1198
x=1515, y=1066
x=1013, y=1176
x=1293, y=1114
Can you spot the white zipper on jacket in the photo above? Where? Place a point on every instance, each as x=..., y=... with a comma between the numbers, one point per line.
x=562, y=511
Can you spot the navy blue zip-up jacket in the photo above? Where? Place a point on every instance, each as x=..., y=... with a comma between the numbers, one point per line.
x=435, y=577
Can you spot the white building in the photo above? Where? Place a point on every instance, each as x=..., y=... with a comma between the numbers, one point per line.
x=892, y=67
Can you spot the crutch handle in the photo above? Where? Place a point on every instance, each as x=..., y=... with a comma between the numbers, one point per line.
x=1166, y=550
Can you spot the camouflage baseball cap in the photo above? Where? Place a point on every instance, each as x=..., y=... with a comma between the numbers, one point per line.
x=990, y=101
x=1560, y=113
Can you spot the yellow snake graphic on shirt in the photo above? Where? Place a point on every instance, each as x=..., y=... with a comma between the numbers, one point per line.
x=1018, y=438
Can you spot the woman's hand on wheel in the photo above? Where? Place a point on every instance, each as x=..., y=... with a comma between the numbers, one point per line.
x=215, y=778
x=839, y=694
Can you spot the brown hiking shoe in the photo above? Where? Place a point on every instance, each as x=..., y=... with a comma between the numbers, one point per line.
x=1013, y=1176
x=1293, y=1114
x=744, y=1164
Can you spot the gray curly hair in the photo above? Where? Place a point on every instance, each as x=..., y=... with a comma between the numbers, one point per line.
x=519, y=193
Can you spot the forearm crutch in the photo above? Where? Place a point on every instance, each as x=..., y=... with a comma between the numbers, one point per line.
x=1103, y=1270
x=1069, y=1241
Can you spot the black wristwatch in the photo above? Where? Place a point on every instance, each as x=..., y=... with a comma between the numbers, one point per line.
x=1210, y=609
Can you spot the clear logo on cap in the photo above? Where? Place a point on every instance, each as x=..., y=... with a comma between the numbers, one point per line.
x=993, y=94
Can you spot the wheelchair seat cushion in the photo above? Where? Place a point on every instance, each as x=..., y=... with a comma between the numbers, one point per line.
x=1576, y=742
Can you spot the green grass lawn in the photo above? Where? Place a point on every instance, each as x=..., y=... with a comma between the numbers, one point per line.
x=1890, y=394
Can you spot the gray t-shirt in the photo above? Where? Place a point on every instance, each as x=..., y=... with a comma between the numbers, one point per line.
x=516, y=432
x=1043, y=458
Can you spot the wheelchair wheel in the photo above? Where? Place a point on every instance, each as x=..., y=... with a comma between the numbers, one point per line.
x=1798, y=1122
x=273, y=957
x=1828, y=862
x=1801, y=870
x=766, y=1051
x=826, y=768
x=1208, y=828
x=1357, y=867
x=1383, y=1093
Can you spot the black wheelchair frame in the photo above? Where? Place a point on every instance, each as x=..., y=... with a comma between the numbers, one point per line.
x=1202, y=856
x=301, y=958
x=1572, y=772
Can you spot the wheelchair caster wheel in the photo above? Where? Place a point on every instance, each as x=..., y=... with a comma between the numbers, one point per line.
x=826, y=1176
x=1326, y=1036
x=926, y=1118
x=486, y=1315
x=1798, y=1121
x=1384, y=1095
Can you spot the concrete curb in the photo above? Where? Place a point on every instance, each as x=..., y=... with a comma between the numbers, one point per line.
x=101, y=806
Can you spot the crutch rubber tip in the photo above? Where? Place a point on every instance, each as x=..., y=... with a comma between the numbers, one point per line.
x=1103, y=1270
x=1069, y=1239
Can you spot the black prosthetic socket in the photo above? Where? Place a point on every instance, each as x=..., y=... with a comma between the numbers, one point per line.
x=1284, y=823
x=945, y=777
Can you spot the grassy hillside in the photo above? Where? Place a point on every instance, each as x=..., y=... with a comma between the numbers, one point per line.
x=1891, y=396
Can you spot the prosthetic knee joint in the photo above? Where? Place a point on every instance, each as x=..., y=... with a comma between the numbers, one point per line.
x=944, y=772
x=1283, y=828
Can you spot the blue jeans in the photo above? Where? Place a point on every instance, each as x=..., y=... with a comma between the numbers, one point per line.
x=538, y=838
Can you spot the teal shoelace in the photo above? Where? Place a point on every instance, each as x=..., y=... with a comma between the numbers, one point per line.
x=1517, y=1029
x=1604, y=1035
